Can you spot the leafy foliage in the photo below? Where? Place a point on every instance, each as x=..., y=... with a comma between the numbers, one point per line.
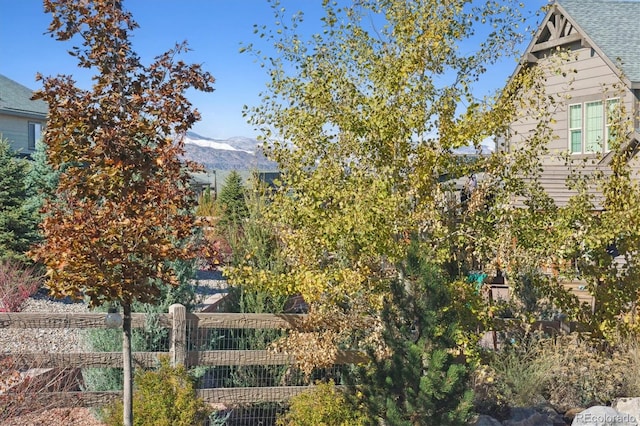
x=364, y=119
x=124, y=209
x=603, y=246
x=123, y=201
x=166, y=397
x=17, y=222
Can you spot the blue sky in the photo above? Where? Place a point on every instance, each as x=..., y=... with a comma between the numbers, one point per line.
x=214, y=29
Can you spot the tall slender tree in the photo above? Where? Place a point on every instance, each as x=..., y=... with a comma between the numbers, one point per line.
x=124, y=208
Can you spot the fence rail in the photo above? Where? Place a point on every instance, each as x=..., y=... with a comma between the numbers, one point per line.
x=182, y=328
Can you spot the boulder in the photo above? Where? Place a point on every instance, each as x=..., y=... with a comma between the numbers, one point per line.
x=571, y=413
x=527, y=417
x=484, y=420
x=554, y=417
x=599, y=415
x=628, y=406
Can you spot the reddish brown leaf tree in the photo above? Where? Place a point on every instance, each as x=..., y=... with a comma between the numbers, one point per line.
x=123, y=207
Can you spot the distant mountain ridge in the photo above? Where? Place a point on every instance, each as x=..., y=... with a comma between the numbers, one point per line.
x=236, y=153
x=243, y=154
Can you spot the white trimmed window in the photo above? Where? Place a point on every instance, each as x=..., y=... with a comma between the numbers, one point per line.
x=35, y=132
x=589, y=126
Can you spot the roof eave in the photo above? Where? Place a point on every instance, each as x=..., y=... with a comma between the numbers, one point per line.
x=24, y=113
x=598, y=50
x=527, y=56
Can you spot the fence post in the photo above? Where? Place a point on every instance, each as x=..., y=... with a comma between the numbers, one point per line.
x=178, y=348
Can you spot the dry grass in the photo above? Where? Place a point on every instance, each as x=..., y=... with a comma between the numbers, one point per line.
x=24, y=400
x=567, y=371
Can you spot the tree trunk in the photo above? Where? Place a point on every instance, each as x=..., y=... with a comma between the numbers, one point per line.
x=127, y=391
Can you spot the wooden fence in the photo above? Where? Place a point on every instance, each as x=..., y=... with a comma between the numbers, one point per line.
x=180, y=324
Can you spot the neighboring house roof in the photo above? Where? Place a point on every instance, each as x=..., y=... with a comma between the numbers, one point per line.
x=15, y=99
x=610, y=27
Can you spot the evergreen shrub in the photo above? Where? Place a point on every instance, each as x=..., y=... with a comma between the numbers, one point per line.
x=162, y=397
x=324, y=405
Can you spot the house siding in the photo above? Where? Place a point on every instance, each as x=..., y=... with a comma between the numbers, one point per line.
x=17, y=110
x=586, y=78
x=16, y=130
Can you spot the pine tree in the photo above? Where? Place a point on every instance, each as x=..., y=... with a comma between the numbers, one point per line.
x=41, y=180
x=17, y=223
x=419, y=381
x=232, y=201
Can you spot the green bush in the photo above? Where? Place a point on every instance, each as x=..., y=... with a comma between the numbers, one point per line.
x=416, y=378
x=162, y=397
x=324, y=405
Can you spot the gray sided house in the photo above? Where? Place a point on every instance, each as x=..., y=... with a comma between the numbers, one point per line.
x=21, y=119
x=598, y=77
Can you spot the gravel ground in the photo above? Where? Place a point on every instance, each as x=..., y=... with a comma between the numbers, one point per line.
x=69, y=340
x=55, y=417
x=44, y=339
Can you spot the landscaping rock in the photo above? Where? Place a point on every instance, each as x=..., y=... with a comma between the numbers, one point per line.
x=628, y=406
x=484, y=420
x=570, y=414
x=603, y=416
x=554, y=417
x=527, y=417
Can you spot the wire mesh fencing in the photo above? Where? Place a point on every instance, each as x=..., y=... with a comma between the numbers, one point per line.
x=231, y=355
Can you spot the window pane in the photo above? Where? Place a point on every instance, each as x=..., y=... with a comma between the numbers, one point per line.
x=575, y=128
x=594, y=126
x=576, y=141
x=575, y=116
x=612, y=116
x=35, y=132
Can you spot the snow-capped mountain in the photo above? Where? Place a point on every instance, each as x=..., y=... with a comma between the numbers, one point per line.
x=241, y=153
x=237, y=153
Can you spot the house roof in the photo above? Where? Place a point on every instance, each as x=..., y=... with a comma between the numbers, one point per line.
x=16, y=99
x=613, y=26
x=610, y=27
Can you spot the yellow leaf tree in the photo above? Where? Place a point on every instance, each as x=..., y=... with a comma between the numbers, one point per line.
x=364, y=119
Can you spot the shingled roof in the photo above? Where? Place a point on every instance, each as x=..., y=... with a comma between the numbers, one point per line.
x=614, y=27
x=15, y=99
